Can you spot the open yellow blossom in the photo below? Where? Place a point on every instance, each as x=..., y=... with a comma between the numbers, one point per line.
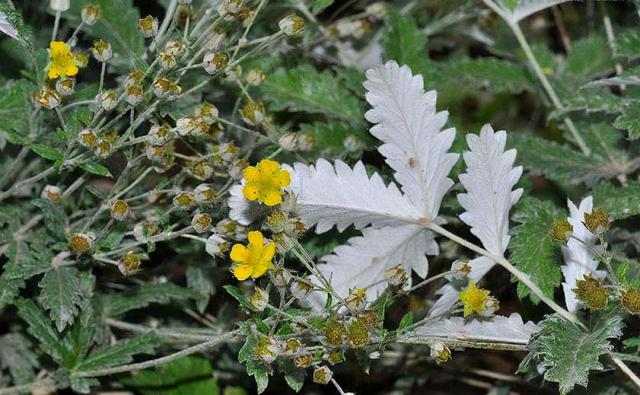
x=62, y=61
x=254, y=259
x=474, y=299
x=265, y=181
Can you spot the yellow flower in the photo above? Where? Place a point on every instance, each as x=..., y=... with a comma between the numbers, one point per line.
x=254, y=259
x=474, y=299
x=62, y=61
x=265, y=182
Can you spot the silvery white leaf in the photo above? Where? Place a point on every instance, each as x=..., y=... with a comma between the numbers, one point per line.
x=337, y=195
x=498, y=329
x=406, y=121
x=524, y=8
x=489, y=181
x=363, y=260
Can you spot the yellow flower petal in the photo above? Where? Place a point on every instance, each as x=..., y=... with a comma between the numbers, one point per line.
x=53, y=74
x=71, y=70
x=241, y=271
x=269, y=252
x=271, y=198
x=239, y=253
x=260, y=270
x=282, y=178
x=250, y=174
x=251, y=192
x=267, y=166
x=256, y=239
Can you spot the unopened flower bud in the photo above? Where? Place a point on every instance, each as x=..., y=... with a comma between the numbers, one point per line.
x=322, y=375
x=130, y=263
x=306, y=142
x=254, y=113
x=159, y=135
x=216, y=244
x=280, y=276
x=204, y=194
x=134, y=94
x=597, y=221
x=357, y=299
x=491, y=305
x=102, y=149
x=591, y=293
x=101, y=50
x=65, y=87
x=80, y=243
x=52, y=193
x=201, y=170
x=303, y=361
x=59, y=5
x=142, y=231
x=208, y=112
x=184, y=200
x=119, y=210
x=460, y=270
x=300, y=290
x=90, y=14
x=87, y=138
x=228, y=151
x=227, y=227
x=134, y=78
x=631, y=301
x=166, y=60
x=292, y=25
x=292, y=346
x=440, y=352
x=255, y=77
x=335, y=333
x=266, y=349
x=214, y=62
x=396, y=276
x=202, y=222
x=259, y=299
x=230, y=7
x=289, y=141
x=175, y=48
x=148, y=26
x=107, y=100
x=561, y=230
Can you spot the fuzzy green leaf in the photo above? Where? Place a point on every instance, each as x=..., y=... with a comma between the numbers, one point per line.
x=17, y=29
x=568, y=353
x=305, y=89
x=628, y=43
x=120, y=353
x=200, y=275
x=96, y=168
x=406, y=44
x=629, y=119
x=184, y=376
x=588, y=56
x=143, y=296
x=15, y=109
x=16, y=354
x=485, y=73
x=39, y=327
x=620, y=202
x=61, y=294
x=532, y=248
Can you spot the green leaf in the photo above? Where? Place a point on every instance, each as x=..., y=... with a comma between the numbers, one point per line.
x=629, y=119
x=619, y=202
x=117, y=25
x=406, y=44
x=406, y=320
x=22, y=32
x=260, y=374
x=627, y=43
x=319, y=5
x=568, y=353
x=47, y=152
x=16, y=354
x=61, y=294
x=54, y=216
x=481, y=74
x=25, y=262
x=588, y=56
x=120, y=353
x=143, y=296
x=330, y=136
x=200, y=275
x=305, y=89
x=15, y=109
x=533, y=251
x=40, y=328
x=97, y=169
x=9, y=289
x=184, y=376
x=238, y=295
x=561, y=163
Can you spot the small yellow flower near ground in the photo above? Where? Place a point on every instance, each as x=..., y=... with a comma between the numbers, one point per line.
x=62, y=61
x=254, y=259
x=474, y=299
x=265, y=181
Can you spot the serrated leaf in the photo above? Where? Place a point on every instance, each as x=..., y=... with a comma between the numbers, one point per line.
x=618, y=202
x=629, y=119
x=120, y=353
x=47, y=152
x=497, y=329
x=533, y=251
x=239, y=296
x=588, y=56
x=61, y=294
x=260, y=374
x=143, y=296
x=568, y=353
x=627, y=43
x=517, y=10
x=496, y=75
x=305, y=89
x=562, y=163
x=15, y=109
x=17, y=356
x=54, y=217
x=25, y=262
x=12, y=24
x=184, y=376
x=40, y=328
x=406, y=44
x=117, y=25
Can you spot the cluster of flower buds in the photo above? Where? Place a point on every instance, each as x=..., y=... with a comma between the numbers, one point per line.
x=292, y=25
